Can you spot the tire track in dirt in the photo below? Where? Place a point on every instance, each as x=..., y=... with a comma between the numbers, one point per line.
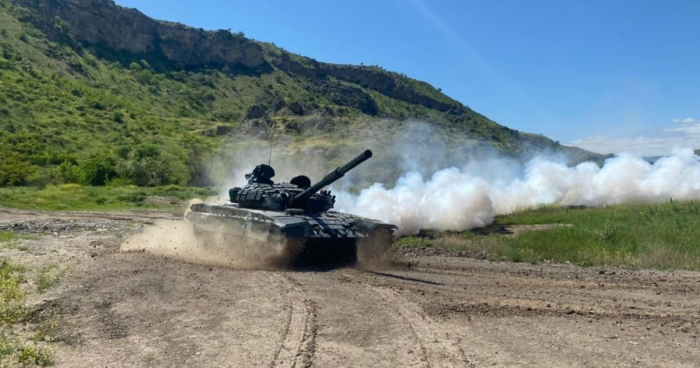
x=586, y=295
x=437, y=351
x=506, y=294
x=298, y=344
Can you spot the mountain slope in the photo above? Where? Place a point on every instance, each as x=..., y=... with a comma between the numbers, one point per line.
x=92, y=91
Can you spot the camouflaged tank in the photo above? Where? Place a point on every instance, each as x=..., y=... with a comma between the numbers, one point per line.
x=292, y=220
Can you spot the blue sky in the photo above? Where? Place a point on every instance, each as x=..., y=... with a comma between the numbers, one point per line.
x=608, y=76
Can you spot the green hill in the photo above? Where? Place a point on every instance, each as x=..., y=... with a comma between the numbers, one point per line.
x=92, y=92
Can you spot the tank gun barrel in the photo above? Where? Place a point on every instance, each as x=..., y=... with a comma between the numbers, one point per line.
x=331, y=177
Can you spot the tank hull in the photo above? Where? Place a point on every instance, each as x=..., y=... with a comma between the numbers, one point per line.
x=291, y=236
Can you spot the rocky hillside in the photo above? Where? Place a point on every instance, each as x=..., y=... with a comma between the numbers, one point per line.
x=92, y=92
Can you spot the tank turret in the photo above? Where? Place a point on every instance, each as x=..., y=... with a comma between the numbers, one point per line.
x=331, y=178
x=262, y=193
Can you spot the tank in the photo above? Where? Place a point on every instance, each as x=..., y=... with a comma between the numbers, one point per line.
x=291, y=223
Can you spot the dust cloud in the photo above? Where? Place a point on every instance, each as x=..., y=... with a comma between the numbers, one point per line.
x=471, y=196
x=177, y=240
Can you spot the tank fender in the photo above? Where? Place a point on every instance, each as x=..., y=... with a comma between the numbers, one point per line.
x=293, y=227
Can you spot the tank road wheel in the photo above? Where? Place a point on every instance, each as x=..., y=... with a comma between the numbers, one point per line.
x=325, y=254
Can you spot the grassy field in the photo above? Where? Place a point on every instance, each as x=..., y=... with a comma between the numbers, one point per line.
x=16, y=350
x=77, y=197
x=658, y=236
x=10, y=240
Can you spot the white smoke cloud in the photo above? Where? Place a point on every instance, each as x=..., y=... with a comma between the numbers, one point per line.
x=447, y=185
x=461, y=199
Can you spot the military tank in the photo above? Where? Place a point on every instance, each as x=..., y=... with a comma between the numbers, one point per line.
x=291, y=223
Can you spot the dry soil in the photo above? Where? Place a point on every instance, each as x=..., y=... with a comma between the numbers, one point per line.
x=118, y=309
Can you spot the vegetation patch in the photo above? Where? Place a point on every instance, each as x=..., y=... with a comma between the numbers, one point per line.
x=48, y=277
x=7, y=236
x=658, y=236
x=14, y=246
x=78, y=197
x=12, y=296
x=14, y=349
x=11, y=241
x=414, y=242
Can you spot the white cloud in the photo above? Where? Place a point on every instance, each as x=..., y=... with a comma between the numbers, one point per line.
x=686, y=121
x=686, y=135
x=693, y=129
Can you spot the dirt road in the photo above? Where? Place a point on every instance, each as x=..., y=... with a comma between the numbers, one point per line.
x=117, y=309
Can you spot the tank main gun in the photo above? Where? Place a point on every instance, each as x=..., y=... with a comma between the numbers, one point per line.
x=334, y=175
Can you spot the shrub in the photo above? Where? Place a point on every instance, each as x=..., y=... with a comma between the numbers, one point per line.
x=120, y=182
x=96, y=103
x=69, y=173
x=90, y=60
x=118, y=117
x=135, y=66
x=98, y=170
x=14, y=172
x=146, y=77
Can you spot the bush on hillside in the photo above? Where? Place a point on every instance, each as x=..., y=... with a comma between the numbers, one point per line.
x=98, y=170
x=150, y=165
x=15, y=173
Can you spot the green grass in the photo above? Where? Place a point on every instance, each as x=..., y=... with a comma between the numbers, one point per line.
x=14, y=246
x=9, y=240
x=658, y=236
x=7, y=236
x=77, y=197
x=414, y=242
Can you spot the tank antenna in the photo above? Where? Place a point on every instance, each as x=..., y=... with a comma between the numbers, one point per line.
x=272, y=140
